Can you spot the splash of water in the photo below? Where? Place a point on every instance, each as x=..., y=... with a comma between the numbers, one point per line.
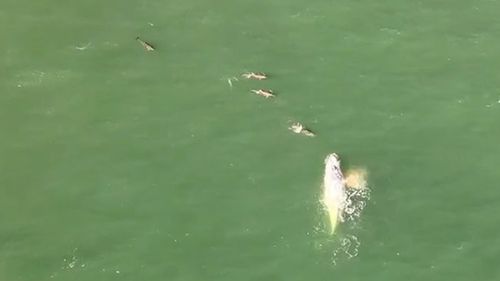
x=356, y=178
x=344, y=245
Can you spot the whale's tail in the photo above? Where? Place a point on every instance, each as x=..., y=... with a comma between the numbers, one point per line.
x=334, y=215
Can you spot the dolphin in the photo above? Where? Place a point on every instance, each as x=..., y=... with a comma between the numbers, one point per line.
x=146, y=45
x=254, y=75
x=334, y=193
x=264, y=93
x=298, y=128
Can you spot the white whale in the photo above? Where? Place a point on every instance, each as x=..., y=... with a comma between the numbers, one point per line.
x=334, y=193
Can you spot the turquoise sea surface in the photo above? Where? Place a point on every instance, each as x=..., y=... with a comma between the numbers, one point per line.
x=122, y=164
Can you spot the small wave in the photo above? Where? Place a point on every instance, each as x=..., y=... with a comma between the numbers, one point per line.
x=84, y=47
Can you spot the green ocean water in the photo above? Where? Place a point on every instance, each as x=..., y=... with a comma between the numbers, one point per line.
x=117, y=164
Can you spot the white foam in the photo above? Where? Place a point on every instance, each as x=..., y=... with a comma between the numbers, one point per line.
x=344, y=244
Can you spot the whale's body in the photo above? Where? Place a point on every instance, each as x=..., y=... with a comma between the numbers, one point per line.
x=334, y=194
